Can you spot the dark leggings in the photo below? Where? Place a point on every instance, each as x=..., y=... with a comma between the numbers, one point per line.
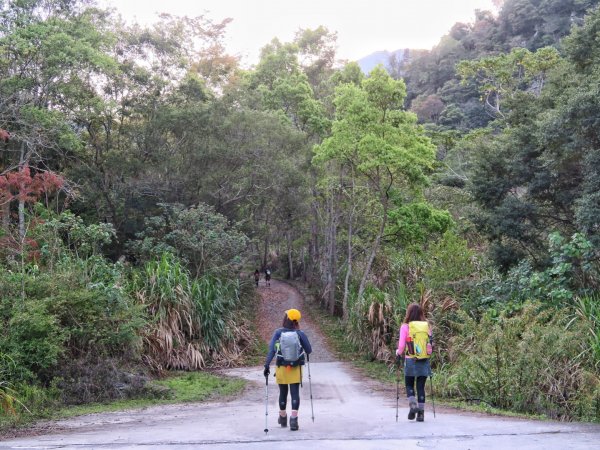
x=295, y=393
x=410, y=387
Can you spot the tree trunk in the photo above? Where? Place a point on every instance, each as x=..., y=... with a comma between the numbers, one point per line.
x=374, y=249
x=348, y=271
x=290, y=259
x=265, y=251
x=303, y=259
x=314, y=248
x=5, y=216
x=345, y=312
x=22, y=163
x=266, y=242
x=22, y=220
x=332, y=255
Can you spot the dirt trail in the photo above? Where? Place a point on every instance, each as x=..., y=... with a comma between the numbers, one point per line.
x=275, y=300
x=350, y=413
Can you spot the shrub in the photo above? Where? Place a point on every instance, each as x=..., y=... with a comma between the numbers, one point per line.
x=528, y=362
x=93, y=324
x=198, y=235
x=80, y=308
x=35, y=341
x=92, y=380
x=572, y=271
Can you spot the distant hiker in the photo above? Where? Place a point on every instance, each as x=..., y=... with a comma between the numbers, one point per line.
x=289, y=345
x=416, y=344
x=256, y=277
x=268, y=276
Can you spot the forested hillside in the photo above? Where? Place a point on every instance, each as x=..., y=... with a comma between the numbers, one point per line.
x=144, y=174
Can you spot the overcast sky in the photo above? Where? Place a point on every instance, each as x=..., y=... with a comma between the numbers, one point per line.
x=362, y=26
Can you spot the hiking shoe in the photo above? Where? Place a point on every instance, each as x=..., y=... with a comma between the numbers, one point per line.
x=420, y=415
x=293, y=423
x=413, y=410
x=282, y=420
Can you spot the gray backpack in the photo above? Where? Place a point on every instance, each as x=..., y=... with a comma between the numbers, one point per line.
x=290, y=352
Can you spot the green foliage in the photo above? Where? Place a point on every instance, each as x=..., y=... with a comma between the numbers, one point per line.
x=281, y=85
x=199, y=235
x=527, y=24
x=587, y=316
x=448, y=265
x=529, y=362
x=193, y=322
x=350, y=74
x=49, y=57
x=176, y=388
x=417, y=222
x=572, y=271
x=81, y=308
x=581, y=45
x=9, y=398
x=199, y=386
x=36, y=340
x=387, y=155
x=31, y=401
x=500, y=77
x=65, y=315
x=438, y=275
x=145, y=122
x=67, y=231
x=539, y=173
x=371, y=132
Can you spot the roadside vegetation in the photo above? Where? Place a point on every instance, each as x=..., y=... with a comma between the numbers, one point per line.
x=176, y=388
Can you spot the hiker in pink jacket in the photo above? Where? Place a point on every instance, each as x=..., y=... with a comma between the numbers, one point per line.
x=416, y=344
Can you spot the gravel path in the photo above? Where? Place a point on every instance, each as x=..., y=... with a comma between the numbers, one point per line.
x=274, y=301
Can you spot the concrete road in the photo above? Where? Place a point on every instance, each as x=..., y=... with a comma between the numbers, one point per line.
x=350, y=413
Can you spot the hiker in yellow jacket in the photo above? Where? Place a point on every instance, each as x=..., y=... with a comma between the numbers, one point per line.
x=290, y=345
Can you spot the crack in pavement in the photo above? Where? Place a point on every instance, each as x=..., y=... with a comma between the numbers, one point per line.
x=275, y=440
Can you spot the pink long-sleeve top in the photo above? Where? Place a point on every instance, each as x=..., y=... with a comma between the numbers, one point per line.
x=402, y=341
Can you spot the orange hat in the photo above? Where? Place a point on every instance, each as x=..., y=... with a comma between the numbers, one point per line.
x=293, y=314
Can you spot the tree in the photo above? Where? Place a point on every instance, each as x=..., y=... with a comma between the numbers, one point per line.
x=500, y=77
x=317, y=57
x=200, y=236
x=540, y=174
x=427, y=109
x=381, y=144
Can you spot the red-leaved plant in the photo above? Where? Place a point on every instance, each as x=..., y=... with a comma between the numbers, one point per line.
x=20, y=185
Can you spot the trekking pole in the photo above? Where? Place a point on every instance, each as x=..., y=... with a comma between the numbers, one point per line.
x=431, y=381
x=312, y=411
x=266, y=403
x=432, y=396
x=397, y=386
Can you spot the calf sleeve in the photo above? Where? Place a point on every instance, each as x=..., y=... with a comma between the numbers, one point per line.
x=421, y=389
x=409, y=382
x=283, y=392
x=295, y=394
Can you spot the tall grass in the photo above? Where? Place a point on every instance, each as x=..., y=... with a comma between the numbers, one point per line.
x=587, y=314
x=193, y=322
x=527, y=362
x=374, y=321
x=9, y=398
